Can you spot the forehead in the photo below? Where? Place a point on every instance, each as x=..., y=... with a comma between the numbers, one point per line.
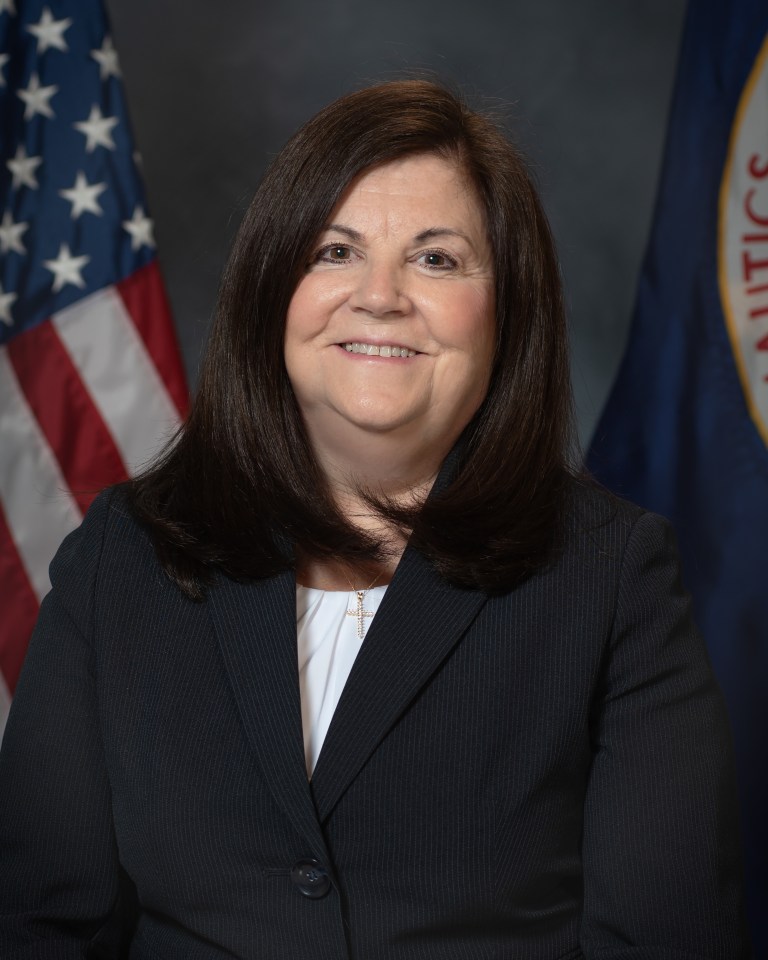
x=414, y=187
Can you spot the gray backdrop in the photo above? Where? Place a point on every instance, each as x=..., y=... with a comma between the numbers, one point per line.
x=216, y=89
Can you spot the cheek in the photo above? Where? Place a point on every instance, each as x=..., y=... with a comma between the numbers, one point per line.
x=311, y=306
x=472, y=328
x=298, y=330
x=475, y=332
x=461, y=383
x=299, y=318
x=485, y=329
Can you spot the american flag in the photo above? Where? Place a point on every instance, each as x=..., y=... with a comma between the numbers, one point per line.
x=91, y=381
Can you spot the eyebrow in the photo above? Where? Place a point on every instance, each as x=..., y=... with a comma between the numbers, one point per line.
x=435, y=232
x=431, y=234
x=347, y=231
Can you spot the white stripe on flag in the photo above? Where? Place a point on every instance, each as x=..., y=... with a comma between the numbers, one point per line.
x=38, y=506
x=115, y=367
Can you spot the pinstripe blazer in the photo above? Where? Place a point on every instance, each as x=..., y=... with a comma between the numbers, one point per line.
x=539, y=775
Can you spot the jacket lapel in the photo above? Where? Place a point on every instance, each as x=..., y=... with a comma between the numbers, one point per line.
x=256, y=627
x=420, y=620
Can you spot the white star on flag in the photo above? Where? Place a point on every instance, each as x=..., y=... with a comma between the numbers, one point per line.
x=84, y=196
x=98, y=130
x=36, y=98
x=23, y=169
x=7, y=5
x=4, y=58
x=50, y=32
x=140, y=228
x=66, y=269
x=106, y=58
x=6, y=299
x=10, y=234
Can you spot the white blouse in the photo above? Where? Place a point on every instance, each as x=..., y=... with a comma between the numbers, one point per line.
x=328, y=642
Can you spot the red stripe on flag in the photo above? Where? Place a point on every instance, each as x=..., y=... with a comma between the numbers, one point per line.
x=19, y=607
x=144, y=297
x=67, y=415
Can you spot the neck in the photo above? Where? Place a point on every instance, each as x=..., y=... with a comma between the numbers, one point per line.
x=393, y=465
x=334, y=575
x=386, y=464
x=398, y=465
x=401, y=483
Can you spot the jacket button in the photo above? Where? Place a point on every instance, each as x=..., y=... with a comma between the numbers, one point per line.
x=311, y=878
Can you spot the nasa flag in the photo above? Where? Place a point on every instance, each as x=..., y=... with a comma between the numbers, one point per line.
x=685, y=431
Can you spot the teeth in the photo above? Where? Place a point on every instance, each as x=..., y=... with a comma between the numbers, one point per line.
x=371, y=350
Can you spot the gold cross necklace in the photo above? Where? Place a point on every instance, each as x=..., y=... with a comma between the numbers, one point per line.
x=360, y=612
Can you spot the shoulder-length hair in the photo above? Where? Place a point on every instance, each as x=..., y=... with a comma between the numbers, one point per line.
x=240, y=488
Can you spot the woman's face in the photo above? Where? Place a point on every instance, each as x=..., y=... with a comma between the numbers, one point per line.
x=391, y=329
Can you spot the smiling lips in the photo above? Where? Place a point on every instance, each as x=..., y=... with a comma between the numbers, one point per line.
x=376, y=350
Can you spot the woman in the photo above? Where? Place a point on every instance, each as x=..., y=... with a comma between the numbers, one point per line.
x=501, y=737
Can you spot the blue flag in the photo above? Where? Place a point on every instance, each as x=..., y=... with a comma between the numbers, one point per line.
x=685, y=431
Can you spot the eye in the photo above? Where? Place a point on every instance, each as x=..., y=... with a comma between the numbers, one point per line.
x=334, y=253
x=437, y=260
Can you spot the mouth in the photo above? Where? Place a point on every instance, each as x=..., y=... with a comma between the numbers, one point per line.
x=378, y=350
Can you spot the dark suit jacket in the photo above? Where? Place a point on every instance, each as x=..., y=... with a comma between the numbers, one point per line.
x=542, y=774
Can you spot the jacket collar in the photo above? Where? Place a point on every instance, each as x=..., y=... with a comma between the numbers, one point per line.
x=256, y=628
x=418, y=623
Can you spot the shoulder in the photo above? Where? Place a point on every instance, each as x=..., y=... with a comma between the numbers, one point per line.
x=590, y=508
x=611, y=553
x=605, y=529
x=107, y=525
x=106, y=545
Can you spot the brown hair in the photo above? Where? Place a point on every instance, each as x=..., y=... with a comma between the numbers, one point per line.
x=240, y=485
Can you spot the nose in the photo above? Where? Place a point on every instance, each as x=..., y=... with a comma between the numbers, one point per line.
x=379, y=291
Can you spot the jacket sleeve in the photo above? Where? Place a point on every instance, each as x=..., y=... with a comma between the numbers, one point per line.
x=58, y=859
x=661, y=851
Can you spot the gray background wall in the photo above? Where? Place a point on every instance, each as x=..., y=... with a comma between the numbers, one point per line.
x=215, y=89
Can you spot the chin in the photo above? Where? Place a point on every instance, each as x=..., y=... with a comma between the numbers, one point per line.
x=380, y=417
x=381, y=426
